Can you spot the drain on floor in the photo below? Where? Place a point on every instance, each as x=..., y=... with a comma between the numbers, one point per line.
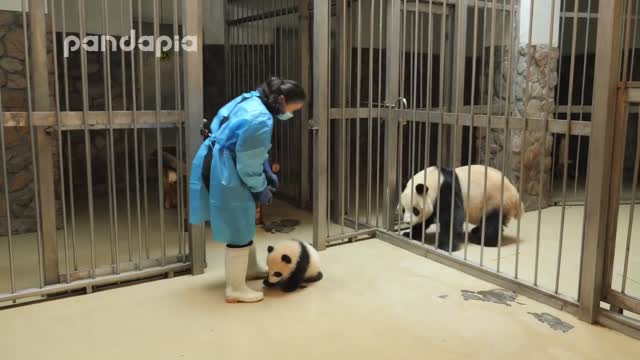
x=552, y=321
x=284, y=226
x=496, y=296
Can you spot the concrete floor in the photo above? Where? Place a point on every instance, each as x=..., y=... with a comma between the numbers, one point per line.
x=398, y=306
x=376, y=302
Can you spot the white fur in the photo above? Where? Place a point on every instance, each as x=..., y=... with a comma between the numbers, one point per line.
x=473, y=200
x=292, y=249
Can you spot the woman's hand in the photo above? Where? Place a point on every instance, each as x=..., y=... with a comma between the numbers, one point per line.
x=263, y=197
x=205, y=129
x=272, y=179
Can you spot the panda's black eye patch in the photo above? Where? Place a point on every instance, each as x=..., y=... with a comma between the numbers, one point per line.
x=277, y=274
x=420, y=189
x=286, y=259
x=416, y=211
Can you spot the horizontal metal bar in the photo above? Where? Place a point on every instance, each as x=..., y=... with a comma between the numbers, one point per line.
x=500, y=279
x=619, y=322
x=557, y=126
x=264, y=16
x=368, y=232
x=624, y=301
x=97, y=119
x=633, y=95
x=105, y=280
x=124, y=267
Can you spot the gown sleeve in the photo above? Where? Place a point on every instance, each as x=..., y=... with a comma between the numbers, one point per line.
x=254, y=143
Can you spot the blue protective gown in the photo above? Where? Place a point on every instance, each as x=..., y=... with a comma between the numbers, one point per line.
x=241, y=140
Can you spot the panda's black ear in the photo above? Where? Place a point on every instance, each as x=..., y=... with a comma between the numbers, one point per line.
x=286, y=259
x=421, y=189
x=269, y=249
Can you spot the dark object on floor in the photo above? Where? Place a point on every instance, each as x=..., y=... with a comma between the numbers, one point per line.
x=496, y=296
x=284, y=226
x=552, y=321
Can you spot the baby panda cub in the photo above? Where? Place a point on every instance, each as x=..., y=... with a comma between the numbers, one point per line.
x=292, y=264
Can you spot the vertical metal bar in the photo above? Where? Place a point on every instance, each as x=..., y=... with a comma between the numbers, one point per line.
x=582, y=102
x=460, y=54
x=413, y=91
x=106, y=86
x=370, y=129
x=32, y=132
x=87, y=137
x=608, y=47
x=143, y=131
x=69, y=160
x=126, y=138
x=193, y=80
x=524, y=132
x=634, y=188
x=617, y=157
x=473, y=102
x=507, y=116
x=180, y=146
x=391, y=127
x=227, y=47
x=111, y=166
x=488, y=132
x=342, y=18
x=60, y=154
x=574, y=36
x=44, y=174
x=427, y=154
x=358, y=86
x=134, y=105
x=7, y=203
x=544, y=142
x=441, y=100
x=321, y=21
x=305, y=81
x=156, y=31
x=458, y=74
x=379, y=122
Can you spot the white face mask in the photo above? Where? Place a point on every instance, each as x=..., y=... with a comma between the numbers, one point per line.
x=285, y=116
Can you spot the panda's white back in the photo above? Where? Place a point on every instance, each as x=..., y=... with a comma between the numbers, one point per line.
x=474, y=201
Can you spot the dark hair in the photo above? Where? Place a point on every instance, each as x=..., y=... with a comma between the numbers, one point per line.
x=271, y=90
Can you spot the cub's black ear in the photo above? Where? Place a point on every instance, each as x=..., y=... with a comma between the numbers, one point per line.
x=421, y=189
x=286, y=259
x=269, y=249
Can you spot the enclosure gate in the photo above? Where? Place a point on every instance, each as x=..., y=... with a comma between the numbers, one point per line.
x=393, y=76
x=102, y=208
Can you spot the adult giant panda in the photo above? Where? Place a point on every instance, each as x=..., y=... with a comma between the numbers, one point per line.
x=420, y=198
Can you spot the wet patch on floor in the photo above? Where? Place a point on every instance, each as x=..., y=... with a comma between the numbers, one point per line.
x=552, y=321
x=443, y=296
x=496, y=296
x=283, y=226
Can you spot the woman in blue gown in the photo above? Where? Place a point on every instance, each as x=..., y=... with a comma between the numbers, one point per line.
x=231, y=173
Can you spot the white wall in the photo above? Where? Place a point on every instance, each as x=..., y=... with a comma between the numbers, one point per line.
x=542, y=10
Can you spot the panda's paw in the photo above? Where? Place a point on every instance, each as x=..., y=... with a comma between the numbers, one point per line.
x=406, y=234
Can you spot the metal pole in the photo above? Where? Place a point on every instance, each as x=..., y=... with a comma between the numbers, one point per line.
x=46, y=187
x=608, y=47
x=321, y=25
x=193, y=80
x=60, y=154
x=305, y=81
x=391, y=126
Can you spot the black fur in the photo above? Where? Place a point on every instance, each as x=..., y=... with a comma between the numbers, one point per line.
x=296, y=278
x=443, y=201
x=315, y=278
x=492, y=230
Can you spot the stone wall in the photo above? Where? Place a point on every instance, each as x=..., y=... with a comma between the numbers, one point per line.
x=528, y=155
x=17, y=140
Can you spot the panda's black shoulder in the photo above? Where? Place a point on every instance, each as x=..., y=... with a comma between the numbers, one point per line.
x=296, y=278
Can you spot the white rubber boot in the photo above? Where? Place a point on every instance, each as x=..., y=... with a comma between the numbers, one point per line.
x=236, y=261
x=255, y=271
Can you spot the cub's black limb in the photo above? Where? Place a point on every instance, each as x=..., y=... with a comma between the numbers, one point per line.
x=491, y=231
x=317, y=277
